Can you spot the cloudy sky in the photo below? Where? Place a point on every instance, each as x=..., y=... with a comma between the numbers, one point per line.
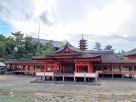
x=106, y=21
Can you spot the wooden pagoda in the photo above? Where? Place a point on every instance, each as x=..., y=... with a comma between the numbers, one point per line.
x=83, y=44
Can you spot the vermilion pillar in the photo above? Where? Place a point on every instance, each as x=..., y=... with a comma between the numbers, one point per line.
x=75, y=66
x=44, y=67
x=90, y=68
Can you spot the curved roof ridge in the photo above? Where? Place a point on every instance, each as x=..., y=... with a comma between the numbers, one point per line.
x=101, y=52
x=70, y=47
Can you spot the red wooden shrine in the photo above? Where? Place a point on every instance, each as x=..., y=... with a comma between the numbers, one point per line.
x=73, y=62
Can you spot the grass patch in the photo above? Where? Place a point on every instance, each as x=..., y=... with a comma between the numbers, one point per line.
x=15, y=99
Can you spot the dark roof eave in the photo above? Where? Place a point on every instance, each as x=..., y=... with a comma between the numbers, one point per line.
x=55, y=55
x=127, y=55
x=22, y=62
x=118, y=63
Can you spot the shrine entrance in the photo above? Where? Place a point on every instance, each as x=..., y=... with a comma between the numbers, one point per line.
x=67, y=68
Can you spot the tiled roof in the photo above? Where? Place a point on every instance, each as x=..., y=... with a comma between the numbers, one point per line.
x=89, y=55
x=106, y=56
x=75, y=52
x=23, y=62
x=111, y=58
x=132, y=52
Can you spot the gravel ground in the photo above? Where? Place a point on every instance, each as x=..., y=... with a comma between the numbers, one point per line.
x=109, y=90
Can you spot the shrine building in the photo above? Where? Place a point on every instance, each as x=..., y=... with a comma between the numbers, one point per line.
x=74, y=63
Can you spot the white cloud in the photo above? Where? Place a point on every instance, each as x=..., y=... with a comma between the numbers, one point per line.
x=40, y=7
x=105, y=21
x=102, y=21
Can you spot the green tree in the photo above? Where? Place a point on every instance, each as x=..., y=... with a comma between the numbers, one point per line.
x=10, y=45
x=45, y=49
x=2, y=46
x=18, y=38
x=97, y=46
x=6, y=47
x=2, y=37
x=19, y=46
x=49, y=48
x=19, y=49
x=2, y=50
x=120, y=54
x=30, y=46
x=108, y=48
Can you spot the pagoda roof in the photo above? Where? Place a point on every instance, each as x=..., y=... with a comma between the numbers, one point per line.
x=83, y=40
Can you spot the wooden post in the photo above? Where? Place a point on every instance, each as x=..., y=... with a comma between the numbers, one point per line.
x=102, y=72
x=90, y=67
x=44, y=71
x=35, y=77
x=121, y=71
x=84, y=78
x=120, y=68
x=78, y=68
x=112, y=71
x=133, y=68
x=27, y=69
x=21, y=70
x=133, y=71
x=75, y=66
x=122, y=75
x=53, y=78
x=34, y=69
x=63, y=78
x=96, y=78
x=74, y=79
x=45, y=78
x=6, y=69
x=112, y=76
x=46, y=67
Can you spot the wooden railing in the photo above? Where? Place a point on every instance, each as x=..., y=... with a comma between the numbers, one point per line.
x=44, y=73
x=31, y=70
x=119, y=72
x=85, y=74
x=103, y=72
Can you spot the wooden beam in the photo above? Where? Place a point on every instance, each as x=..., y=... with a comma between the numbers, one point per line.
x=75, y=66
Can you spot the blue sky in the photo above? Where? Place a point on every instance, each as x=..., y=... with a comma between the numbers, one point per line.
x=6, y=28
x=105, y=21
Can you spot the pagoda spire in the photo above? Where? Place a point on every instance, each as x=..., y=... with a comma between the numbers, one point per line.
x=82, y=37
x=83, y=43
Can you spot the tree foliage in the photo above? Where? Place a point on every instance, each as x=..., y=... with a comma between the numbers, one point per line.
x=6, y=46
x=108, y=48
x=120, y=54
x=97, y=46
x=17, y=45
